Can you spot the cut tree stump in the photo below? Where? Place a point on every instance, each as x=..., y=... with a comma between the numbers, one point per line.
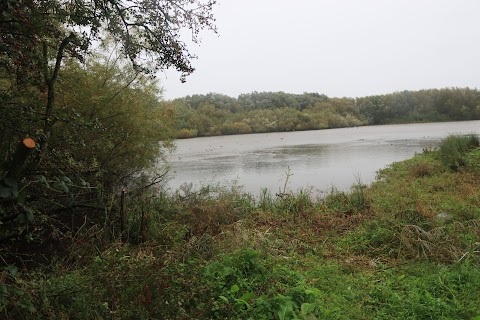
x=17, y=165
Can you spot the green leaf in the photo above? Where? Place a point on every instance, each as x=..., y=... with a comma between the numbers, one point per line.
x=307, y=308
x=12, y=269
x=225, y=272
x=314, y=292
x=21, y=218
x=285, y=311
x=15, y=190
x=5, y=192
x=30, y=215
x=30, y=307
x=3, y=289
x=234, y=288
x=241, y=301
x=247, y=296
x=61, y=186
x=22, y=196
x=27, y=305
x=224, y=298
x=42, y=180
x=11, y=182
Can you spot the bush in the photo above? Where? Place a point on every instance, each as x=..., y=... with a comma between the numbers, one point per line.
x=187, y=133
x=454, y=148
x=348, y=202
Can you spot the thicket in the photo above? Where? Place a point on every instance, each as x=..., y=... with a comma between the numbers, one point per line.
x=216, y=114
x=81, y=117
x=453, y=150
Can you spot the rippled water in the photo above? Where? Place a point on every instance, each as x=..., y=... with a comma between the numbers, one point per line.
x=320, y=159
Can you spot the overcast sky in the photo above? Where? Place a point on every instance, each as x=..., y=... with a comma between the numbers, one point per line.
x=341, y=48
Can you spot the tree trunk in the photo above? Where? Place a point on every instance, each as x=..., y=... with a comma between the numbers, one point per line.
x=51, y=80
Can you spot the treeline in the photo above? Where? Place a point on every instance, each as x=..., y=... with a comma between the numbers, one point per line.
x=256, y=112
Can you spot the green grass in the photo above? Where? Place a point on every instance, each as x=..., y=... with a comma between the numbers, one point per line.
x=407, y=247
x=453, y=149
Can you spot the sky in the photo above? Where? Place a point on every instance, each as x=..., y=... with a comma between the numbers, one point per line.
x=341, y=48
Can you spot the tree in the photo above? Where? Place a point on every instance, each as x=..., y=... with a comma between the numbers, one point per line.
x=107, y=114
x=107, y=127
x=148, y=31
x=37, y=35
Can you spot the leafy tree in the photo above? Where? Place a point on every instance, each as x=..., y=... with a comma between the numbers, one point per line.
x=108, y=113
x=38, y=35
x=95, y=122
x=279, y=111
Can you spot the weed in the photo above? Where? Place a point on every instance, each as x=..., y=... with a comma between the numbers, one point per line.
x=351, y=202
x=266, y=201
x=422, y=169
x=453, y=149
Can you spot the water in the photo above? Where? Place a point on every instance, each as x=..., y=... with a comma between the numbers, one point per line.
x=319, y=159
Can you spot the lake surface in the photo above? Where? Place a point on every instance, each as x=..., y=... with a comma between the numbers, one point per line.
x=319, y=159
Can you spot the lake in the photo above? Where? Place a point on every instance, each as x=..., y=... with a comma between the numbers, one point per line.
x=319, y=159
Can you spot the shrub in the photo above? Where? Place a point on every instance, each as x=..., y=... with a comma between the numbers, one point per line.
x=187, y=133
x=454, y=148
x=421, y=169
x=348, y=202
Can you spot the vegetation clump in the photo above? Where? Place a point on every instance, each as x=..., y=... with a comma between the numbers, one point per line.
x=453, y=150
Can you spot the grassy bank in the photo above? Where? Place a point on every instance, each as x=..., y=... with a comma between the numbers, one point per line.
x=408, y=247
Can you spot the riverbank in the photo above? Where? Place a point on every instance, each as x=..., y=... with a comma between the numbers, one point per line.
x=405, y=248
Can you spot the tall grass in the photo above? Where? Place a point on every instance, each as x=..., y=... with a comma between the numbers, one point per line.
x=453, y=150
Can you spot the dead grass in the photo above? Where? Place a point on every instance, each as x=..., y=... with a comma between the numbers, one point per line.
x=437, y=244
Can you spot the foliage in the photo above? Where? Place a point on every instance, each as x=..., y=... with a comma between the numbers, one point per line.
x=423, y=292
x=407, y=246
x=453, y=149
x=147, y=31
x=110, y=126
x=13, y=298
x=348, y=202
x=97, y=121
x=421, y=106
x=433, y=217
x=216, y=114
x=109, y=114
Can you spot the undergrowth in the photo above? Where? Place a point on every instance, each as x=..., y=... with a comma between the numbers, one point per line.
x=406, y=247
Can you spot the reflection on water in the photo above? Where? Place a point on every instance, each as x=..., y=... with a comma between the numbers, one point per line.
x=320, y=159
